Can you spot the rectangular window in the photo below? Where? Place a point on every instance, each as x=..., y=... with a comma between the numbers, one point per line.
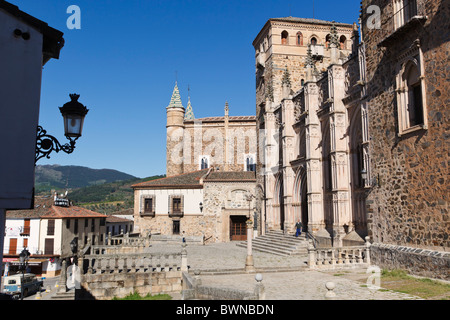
x=93, y=225
x=75, y=226
x=48, y=250
x=26, y=227
x=176, y=205
x=50, y=227
x=416, y=113
x=148, y=205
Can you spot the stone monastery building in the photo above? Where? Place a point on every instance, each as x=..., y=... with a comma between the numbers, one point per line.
x=350, y=137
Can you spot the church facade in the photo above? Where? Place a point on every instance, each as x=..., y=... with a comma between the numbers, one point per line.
x=311, y=150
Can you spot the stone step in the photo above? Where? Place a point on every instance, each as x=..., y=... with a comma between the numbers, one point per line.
x=279, y=243
x=68, y=295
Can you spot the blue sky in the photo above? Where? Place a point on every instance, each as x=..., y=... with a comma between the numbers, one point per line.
x=124, y=59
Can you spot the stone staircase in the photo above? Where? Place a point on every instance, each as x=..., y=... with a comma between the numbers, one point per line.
x=68, y=295
x=278, y=243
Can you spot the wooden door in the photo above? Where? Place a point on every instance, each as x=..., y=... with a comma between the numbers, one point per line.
x=238, y=228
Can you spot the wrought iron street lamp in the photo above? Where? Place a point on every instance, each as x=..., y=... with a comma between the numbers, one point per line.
x=73, y=113
x=23, y=259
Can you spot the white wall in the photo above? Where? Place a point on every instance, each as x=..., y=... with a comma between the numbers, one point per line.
x=57, y=235
x=14, y=227
x=192, y=199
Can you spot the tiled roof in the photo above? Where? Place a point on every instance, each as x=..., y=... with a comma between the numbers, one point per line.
x=42, y=206
x=57, y=212
x=231, y=176
x=175, y=101
x=191, y=179
x=44, y=209
x=189, y=114
x=309, y=21
x=222, y=119
x=114, y=219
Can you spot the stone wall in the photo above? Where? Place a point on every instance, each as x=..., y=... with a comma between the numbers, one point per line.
x=223, y=200
x=408, y=204
x=225, y=143
x=422, y=262
x=108, y=286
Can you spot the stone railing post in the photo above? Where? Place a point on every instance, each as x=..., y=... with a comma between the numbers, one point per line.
x=330, y=295
x=184, y=265
x=311, y=256
x=367, y=250
x=260, y=291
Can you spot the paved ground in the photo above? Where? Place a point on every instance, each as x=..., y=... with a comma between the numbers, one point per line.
x=284, y=278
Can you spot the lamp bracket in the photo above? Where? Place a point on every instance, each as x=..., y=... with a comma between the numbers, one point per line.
x=46, y=144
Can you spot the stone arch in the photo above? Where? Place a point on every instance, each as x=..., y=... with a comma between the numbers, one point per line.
x=300, y=197
x=299, y=38
x=284, y=37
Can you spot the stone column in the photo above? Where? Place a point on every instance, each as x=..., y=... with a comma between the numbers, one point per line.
x=184, y=265
x=63, y=277
x=339, y=152
x=313, y=159
x=249, y=260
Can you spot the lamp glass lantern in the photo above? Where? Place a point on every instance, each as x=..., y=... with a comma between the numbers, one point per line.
x=73, y=113
x=364, y=174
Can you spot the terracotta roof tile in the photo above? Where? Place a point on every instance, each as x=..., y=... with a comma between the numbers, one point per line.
x=191, y=179
x=44, y=209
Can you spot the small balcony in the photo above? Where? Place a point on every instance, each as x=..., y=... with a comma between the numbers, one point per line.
x=176, y=214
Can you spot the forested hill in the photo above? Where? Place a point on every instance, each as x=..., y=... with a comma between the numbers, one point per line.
x=105, y=191
x=49, y=177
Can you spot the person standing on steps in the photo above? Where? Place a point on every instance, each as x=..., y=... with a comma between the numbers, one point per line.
x=298, y=226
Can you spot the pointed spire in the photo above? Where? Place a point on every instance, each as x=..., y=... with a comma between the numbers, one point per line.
x=286, y=78
x=175, y=101
x=189, y=115
x=269, y=92
x=309, y=59
x=226, y=109
x=334, y=35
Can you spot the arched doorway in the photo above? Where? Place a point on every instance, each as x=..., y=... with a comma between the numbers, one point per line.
x=301, y=198
x=279, y=198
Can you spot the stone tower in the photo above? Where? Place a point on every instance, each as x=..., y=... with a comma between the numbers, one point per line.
x=175, y=133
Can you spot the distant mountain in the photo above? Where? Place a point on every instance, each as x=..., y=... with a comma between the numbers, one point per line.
x=108, y=197
x=49, y=177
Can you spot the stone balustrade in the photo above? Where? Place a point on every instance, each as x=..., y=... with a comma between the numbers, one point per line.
x=339, y=257
x=132, y=263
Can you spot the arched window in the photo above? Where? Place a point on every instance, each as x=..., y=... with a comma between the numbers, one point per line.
x=250, y=164
x=313, y=41
x=284, y=37
x=343, y=42
x=299, y=38
x=411, y=103
x=204, y=162
x=414, y=104
x=327, y=41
